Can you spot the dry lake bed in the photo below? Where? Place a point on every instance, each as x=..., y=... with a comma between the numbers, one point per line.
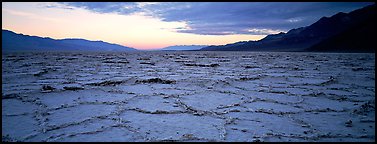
x=188, y=96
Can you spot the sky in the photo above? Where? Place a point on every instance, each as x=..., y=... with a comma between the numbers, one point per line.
x=152, y=25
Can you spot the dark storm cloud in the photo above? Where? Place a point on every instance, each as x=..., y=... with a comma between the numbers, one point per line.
x=223, y=18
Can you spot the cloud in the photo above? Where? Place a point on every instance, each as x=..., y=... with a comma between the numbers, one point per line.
x=30, y=15
x=264, y=31
x=227, y=18
x=106, y=7
x=55, y=5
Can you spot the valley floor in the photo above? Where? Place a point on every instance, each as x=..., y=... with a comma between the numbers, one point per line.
x=188, y=96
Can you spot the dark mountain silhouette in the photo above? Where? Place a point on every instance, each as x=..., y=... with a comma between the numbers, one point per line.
x=183, y=47
x=359, y=38
x=19, y=42
x=356, y=29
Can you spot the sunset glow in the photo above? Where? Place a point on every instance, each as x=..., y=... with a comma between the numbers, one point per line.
x=137, y=29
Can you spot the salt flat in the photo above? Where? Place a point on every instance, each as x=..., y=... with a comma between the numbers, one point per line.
x=188, y=96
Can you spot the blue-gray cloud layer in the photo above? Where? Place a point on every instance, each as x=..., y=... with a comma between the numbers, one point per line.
x=107, y=7
x=223, y=18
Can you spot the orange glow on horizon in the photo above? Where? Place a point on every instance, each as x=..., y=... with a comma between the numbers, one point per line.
x=195, y=40
x=136, y=30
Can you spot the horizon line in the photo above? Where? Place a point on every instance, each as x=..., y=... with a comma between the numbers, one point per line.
x=142, y=49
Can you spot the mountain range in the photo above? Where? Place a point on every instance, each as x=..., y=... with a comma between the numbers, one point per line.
x=12, y=41
x=183, y=47
x=342, y=32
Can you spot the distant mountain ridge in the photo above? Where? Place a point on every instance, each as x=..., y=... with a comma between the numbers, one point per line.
x=184, y=47
x=12, y=41
x=342, y=32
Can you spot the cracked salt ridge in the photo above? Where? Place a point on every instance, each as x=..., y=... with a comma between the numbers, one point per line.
x=320, y=103
x=210, y=100
x=77, y=113
x=57, y=99
x=159, y=127
x=155, y=104
x=19, y=127
x=61, y=133
x=112, y=134
x=261, y=106
x=258, y=125
x=333, y=124
x=17, y=107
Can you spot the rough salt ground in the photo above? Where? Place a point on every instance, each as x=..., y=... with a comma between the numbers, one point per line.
x=248, y=96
